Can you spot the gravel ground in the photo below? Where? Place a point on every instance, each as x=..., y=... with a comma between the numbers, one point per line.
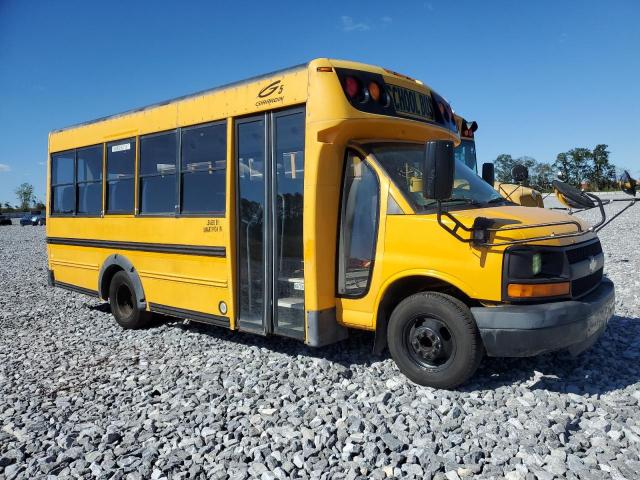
x=81, y=398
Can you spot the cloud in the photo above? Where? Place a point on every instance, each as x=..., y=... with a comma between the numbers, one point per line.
x=4, y=167
x=348, y=25
x=41, y=164
x=429, y=6
x=387, y=19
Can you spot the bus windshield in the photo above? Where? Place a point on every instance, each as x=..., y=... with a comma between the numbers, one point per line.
x=403, y=162
x=466, y=153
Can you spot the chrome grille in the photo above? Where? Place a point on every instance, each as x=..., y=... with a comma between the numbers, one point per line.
x=584, y=285
x=582, y=252
x=582, y=260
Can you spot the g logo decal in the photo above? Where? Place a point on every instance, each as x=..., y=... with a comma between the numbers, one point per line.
x=271, y=89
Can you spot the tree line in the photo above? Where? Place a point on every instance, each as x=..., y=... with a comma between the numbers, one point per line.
x=26, y=200
x=575, y=167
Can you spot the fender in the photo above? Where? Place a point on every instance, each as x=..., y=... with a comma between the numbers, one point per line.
x=114, y=263
x=380, y=339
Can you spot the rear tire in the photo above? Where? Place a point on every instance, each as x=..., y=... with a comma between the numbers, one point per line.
x=434, y=340
x=123, y=301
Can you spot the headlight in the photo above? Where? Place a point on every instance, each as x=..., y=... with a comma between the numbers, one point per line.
x=536, y=263
x=531, y=273
x=533, y=264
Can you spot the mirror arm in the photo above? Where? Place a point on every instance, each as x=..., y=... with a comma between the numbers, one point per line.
x=481, y=230
x=458, y=224
x=631, y=203
x=603, y=215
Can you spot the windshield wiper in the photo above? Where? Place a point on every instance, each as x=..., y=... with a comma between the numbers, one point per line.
x=496, y=200
x=470, y=201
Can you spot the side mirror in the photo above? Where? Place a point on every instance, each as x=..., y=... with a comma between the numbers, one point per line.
x=571, y=196
x=489, y=173
x=628, y=184
x=519, y=173
x=439, y=168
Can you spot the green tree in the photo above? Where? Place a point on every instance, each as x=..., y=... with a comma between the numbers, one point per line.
x=562, y=165
x=581, y=164
x=601, y=173
x=25, y=196
x=503, y=165
x=541, y=176
x=611, y=176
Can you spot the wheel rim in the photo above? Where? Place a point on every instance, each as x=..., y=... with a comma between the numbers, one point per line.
x=124, y=300
x=429, y=342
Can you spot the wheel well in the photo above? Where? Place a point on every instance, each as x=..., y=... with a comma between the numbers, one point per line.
x=106, y=280
x=403, y=288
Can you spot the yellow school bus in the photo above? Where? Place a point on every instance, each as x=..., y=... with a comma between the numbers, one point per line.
x=466, y=152
x=314, y=200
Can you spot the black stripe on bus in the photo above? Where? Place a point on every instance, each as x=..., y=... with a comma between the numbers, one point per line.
x=74, y=288
x=204, y=251
x=190, y=315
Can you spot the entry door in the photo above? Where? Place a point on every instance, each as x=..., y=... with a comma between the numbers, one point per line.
x=270, y=262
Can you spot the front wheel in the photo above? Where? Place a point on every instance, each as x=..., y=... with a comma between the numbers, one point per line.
x=434, y=340
x=124, y=303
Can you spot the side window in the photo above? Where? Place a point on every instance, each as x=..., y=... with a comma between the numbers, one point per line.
x=358, y=226
x=158, y=167
x=204, y=163
x=120, y=175
x=63, y=197
x=89, y=180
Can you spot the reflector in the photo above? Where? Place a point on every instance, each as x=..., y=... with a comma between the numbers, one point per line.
x=527, y=290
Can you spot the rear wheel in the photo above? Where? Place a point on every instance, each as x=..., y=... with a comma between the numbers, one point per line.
x=434, y=340
x=124, y=303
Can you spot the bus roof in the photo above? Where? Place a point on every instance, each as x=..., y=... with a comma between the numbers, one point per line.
x=294, y=68
x=298, y=95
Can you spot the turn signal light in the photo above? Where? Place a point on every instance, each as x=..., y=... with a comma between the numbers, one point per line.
x=532, y=290
x=374, y=91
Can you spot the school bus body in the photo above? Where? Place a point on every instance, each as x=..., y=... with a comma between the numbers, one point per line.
x=199, y=282
x=188, y=265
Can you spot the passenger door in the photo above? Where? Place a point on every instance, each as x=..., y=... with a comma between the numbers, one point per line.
x=270, y=190
x=359, y=214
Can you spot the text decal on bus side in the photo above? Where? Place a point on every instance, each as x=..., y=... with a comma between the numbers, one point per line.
x=121, y=147
x=267, y=92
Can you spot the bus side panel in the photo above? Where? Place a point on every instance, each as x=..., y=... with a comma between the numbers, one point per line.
x=76, y=266
x=187, y=282
x=194, y=281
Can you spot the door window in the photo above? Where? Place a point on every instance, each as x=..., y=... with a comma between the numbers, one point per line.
x=288, y=249
x=251, y=225
x=358, y=226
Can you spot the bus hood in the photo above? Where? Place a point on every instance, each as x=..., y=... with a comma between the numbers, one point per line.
x=524, y=196
x=519, y=216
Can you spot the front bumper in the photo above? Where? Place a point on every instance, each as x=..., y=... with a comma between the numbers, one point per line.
x=527, y=330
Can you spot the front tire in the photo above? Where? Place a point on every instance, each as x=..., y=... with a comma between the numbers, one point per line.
x=123, y=301
x=434, y=340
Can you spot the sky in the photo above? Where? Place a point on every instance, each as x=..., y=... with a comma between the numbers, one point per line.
x=539, y=77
